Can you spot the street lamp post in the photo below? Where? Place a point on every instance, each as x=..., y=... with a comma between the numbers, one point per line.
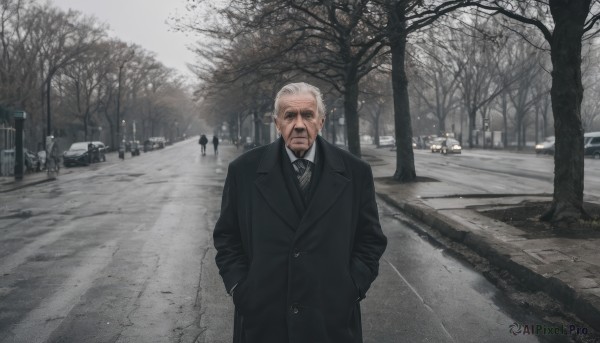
x=119, y=104
x=122, y=143
x=120, y=76
x=19, y=117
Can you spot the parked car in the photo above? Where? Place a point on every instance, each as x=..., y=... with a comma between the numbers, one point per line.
x=76, y=155
x=79, y=154
x=135, y=148
x=387, y=141
x=546, y=147
x=591, y=144
x=158, y=142
x=436, y=144
x=450, y=146
x=148, y=146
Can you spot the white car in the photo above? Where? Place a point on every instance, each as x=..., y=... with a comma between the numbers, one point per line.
x=386, y=141
x=546, y=147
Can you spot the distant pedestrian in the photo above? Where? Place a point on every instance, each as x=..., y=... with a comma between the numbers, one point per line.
x=216, y=144
x=203, y=140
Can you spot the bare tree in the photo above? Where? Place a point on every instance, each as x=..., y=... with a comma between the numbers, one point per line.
x=337, y=42
x=437, y=79
x=65, y=36
x=591, y=83
x=477, y=59
x=376, y=100
x=564, y=25
x=85, y=76
x=526, y=62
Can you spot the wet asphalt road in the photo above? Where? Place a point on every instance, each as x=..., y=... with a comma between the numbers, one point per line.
x=496, y=171
x=122, y=252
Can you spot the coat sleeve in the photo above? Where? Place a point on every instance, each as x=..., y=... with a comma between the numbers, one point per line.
x=231, y=258
x=369, y=240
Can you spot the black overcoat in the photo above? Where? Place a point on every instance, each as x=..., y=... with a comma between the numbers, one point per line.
x=299, y=277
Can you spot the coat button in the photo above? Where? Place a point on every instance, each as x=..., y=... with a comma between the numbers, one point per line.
x=296, y=254
x=295, y=309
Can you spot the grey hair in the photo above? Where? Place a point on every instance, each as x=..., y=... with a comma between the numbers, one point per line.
x=300, y=88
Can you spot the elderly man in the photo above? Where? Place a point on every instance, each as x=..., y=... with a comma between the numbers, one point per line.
x=298, y=239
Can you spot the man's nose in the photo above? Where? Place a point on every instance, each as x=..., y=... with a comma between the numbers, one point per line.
x=299, y=123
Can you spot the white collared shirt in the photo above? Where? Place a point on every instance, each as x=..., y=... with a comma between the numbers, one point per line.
x=309, y=155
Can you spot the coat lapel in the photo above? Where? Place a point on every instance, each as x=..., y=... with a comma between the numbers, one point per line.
x=331, y=184
x=272, y=185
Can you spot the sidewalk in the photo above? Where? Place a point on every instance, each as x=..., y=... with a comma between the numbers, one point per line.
x=8, y=183
x=568, y=269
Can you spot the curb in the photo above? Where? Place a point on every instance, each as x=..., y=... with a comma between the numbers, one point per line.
x=582, y=305
x=13, y=186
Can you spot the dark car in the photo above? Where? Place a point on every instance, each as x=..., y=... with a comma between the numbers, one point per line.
x=135, y=148
x=591, y=144
x=148, y=145
x=79, y=154
x=436, y=144
x=450, y=146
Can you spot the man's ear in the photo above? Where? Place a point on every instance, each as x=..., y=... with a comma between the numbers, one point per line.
x=276, y=124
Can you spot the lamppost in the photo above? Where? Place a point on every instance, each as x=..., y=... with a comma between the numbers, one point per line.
x=19, y=117
x=122, y=143
x=121, y=66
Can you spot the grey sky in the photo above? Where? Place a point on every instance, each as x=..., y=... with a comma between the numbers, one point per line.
x=142, y=22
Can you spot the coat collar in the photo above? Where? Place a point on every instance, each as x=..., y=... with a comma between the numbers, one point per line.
x=272, y=185
x=273, y=153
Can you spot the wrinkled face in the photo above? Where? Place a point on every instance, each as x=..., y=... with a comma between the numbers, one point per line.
x=299, y=122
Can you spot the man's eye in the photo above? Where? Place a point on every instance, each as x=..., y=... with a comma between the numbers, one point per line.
x=289, y=115
x=307, y=115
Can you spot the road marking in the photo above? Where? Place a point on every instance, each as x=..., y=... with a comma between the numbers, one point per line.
x=420, y=297
x=49, y=315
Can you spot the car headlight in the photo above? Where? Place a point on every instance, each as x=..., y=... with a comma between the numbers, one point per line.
x=539, y=146
x=456, y=147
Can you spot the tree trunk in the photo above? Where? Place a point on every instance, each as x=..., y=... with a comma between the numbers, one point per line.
x=567, y=94
x=472, y=126
x=537, y=125
x=351, y=114
x=405, y=159
x=48, y=107
x=376, y=127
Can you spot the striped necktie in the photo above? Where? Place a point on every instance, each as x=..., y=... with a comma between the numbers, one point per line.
x=303, y=172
